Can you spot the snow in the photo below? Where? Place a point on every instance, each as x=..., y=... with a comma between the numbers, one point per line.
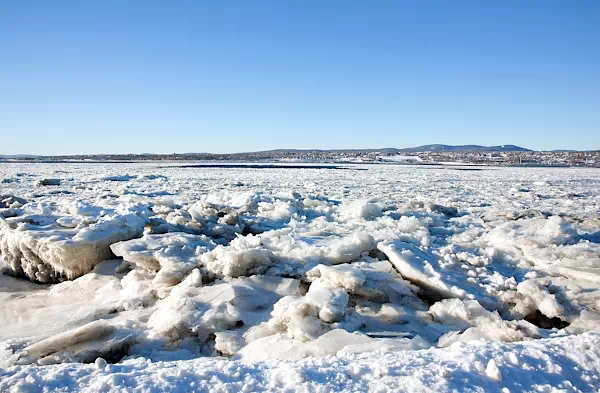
x=244, y=256
x=471, y=322
x=547, y=365
x=492, y=371
x=394, y=278
x=50, y=241
x=399, y=158
x=542, y=300
x=172, y=255
x=420, y=267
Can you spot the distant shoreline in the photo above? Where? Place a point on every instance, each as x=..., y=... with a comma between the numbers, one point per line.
x=274, y=164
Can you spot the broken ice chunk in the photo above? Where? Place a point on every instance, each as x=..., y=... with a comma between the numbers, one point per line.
x=47, y=252
x=469, y=321
x=421, y=268
x=244, y=256
x=377, y=281
x=172, y=255
x=199, y=311
x=542, y=300
x=331, y=303
x=11, y=201
x=83, y=344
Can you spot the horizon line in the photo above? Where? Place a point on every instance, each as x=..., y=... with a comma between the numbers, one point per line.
x=283, y=150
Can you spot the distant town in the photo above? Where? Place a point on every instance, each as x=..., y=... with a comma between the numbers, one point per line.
x=507, y=155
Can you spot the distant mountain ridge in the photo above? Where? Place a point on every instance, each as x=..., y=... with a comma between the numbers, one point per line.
x=417, y=149
x=438, y=147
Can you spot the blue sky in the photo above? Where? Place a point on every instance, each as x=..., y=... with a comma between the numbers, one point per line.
x=229, y=76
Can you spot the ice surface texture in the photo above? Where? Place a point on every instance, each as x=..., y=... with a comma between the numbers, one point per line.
x=47, y=242
x=486, y=274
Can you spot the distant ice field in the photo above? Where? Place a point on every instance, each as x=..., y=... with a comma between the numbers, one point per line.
x=166, y=276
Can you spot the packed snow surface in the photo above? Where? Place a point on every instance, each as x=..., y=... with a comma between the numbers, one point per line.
x=153, y=277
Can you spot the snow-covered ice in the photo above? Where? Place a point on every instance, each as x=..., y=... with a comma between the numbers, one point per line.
x=153, y=277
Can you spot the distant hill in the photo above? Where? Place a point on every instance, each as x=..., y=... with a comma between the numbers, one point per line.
x=418, y=149
x=387, y=150
x=459, y=148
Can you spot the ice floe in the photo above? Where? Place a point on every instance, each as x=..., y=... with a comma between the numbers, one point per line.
x=134, y=264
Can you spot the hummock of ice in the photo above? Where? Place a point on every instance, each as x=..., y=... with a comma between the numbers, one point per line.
x=148, y=266
x=47, y=242
x=171, y=255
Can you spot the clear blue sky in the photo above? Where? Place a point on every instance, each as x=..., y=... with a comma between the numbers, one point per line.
x=227, y=76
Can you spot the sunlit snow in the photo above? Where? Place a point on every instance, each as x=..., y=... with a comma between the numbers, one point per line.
x=369, y=277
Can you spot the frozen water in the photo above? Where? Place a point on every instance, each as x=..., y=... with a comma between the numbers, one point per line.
x=360, y=277
x=47, y=242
